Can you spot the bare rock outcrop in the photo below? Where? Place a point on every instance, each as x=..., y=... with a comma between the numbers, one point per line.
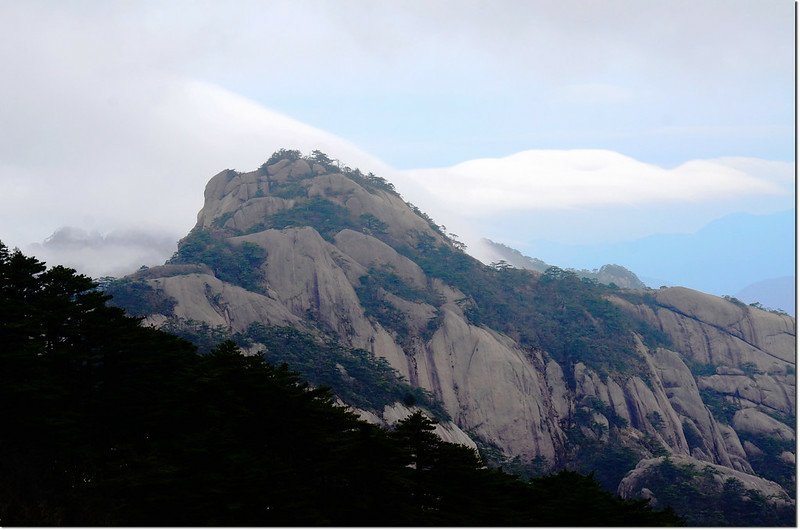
x=309, y=276
x=636, y=481
x=401, y=222
x=752, y=355
x=712, y=442
x=205, y=298
x=165, y=271
x=756, y=422
x=712, y=331
x=372, y=252
x=589, y=383
x=446, y=430
x=491, y=388
x=227, y=191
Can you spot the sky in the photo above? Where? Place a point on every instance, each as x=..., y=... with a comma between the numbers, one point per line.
x=572, y=121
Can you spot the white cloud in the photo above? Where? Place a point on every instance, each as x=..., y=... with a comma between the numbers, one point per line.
x=145, y=160
x=95, y=254
x=566, y=179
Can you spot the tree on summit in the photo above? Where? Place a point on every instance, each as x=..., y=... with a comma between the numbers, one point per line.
x=321, y=158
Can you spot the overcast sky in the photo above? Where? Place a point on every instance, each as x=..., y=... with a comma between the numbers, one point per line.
x=657, y=116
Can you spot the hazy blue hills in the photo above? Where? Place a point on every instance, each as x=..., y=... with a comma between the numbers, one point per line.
x=774, y=292
x=607, y=274
x=724, y=257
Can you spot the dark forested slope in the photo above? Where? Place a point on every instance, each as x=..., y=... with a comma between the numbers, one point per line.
x=109, y=423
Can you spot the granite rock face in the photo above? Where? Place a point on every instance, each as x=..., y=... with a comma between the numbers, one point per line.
x=517, y=399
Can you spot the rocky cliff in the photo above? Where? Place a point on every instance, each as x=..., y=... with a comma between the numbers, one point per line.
x=598, y=378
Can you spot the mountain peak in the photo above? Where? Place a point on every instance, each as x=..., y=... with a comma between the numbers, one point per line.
x=294, y=190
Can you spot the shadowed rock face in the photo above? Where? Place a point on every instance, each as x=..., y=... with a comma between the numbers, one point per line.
x=633, y=480
x=709, y=493
x=517, y=399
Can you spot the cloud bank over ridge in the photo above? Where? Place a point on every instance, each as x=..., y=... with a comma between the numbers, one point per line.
x=117, y=114
x=149, y=175
x=565, y=179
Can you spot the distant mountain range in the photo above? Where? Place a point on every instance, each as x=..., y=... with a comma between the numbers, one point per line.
x=725, y=257
x=777, y=293
x=607, y=274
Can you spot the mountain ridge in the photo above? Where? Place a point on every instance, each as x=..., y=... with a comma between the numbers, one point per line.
x=547, y=368
x=708, y=258
x=606, y=274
